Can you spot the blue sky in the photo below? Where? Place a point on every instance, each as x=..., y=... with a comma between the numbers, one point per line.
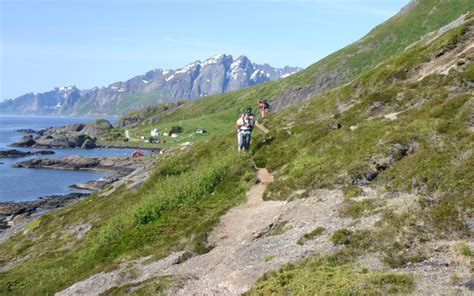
x=47, y=43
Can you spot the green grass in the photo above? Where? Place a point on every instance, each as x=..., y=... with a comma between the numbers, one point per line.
x=189, y=190
x=311, y=235
x=384, y=41
x=464, y=250
x=330, y=276
x=359, y=209
x=155, y=286
x=341, y=237
x=279, y=228
x=167, y=213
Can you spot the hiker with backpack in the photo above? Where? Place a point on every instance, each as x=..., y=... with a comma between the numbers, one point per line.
x=244, y=127
x=264, y=106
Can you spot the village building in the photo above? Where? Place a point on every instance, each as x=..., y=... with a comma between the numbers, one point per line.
x=155, y=132
x=138, y=154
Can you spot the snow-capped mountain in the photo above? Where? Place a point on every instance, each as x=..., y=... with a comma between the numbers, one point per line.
x=218, y=74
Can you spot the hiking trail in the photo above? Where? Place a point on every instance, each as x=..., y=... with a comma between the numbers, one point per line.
x=262, y=127
x=247, y=243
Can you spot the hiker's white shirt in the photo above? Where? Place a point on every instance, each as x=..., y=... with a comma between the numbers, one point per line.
x=244, y=125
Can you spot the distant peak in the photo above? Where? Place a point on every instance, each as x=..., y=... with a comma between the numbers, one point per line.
x=219, y=56
x=66, y=88
x=408, y=7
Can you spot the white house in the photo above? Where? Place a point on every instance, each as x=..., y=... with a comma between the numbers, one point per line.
x=174, y=135
x=155, y=132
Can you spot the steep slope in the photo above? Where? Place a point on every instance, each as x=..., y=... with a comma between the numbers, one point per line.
x=218, y=74
x=399, y=144
x=378, y=170
x=416, y=19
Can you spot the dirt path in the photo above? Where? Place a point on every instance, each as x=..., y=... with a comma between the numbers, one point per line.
x=262, y=127
x=260, y=236
x=214, y=273
x=249, y=240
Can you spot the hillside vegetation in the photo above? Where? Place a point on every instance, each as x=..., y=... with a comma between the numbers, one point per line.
x=385, y=41
x=397, y=141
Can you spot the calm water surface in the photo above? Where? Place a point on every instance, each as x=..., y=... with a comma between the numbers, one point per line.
x=28, y=184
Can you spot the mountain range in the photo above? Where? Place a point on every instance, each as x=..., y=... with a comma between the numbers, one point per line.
x=360, y=183
x=218, y=74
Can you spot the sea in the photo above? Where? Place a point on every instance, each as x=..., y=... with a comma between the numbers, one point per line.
x=21, y=184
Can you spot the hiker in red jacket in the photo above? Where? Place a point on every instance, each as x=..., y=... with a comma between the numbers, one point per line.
x=244, y=127
x=264, y=107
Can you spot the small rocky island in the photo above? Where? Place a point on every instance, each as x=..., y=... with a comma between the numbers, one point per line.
x=69, y=136
x=116, y=164
x=13, y=153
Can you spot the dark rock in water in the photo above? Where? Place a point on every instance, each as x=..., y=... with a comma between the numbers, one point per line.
x=43, y=152
x=13, y=153
x=69, y=136
x=9, y=210
x=96, y=185
x=88, y=144
x=26, y=141
x=120, y=165
x=335, y=126
x=27, y=131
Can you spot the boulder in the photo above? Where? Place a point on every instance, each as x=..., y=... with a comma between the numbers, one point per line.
x=26, y=141
x=88, y=144
x=335, y=126
x=98, y=127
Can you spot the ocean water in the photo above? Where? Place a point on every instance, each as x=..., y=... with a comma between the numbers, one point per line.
x=28, y=184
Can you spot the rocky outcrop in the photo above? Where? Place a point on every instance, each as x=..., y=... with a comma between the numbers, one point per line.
x=69, y=136
x=13, y=153
x=11, y=211
x=97, y=185
x=120, y=165
x=27, y=131
x=88, y=144
x=379, y=163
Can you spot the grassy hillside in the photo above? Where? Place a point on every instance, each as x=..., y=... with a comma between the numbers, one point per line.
x=384, y=41
x=426, y=151
x=398, y=135
x=172, y=211
x=217, y=113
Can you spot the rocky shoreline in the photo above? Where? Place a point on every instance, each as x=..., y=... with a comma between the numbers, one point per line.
x=14, y=214
x=69, y=136
x=13, y=153
x=116, y=164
